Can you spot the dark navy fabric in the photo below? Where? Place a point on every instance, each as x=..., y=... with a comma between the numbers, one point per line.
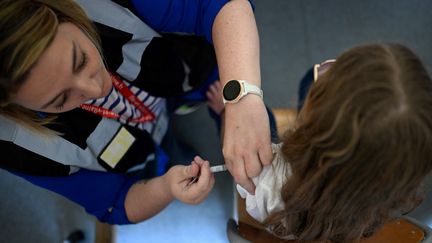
x=188, y=16
x=100, y=193
x=304, y=86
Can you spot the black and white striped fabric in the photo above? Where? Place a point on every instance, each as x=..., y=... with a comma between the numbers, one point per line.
x=124, y=40
x=117, y=103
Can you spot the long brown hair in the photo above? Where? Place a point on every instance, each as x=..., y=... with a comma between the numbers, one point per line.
x=27, y=28
x=361, y=147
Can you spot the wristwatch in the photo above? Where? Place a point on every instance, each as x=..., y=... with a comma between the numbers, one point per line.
x=234, y=90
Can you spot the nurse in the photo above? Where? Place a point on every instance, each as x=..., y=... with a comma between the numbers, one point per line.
x=82, y=107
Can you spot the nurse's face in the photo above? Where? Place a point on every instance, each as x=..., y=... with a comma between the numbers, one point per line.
x=69, y=73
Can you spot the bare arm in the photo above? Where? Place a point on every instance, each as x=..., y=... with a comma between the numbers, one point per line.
x=147, y=198
x=246, y=138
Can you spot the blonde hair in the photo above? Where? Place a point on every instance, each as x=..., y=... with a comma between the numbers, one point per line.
x=361, y=147
x=27, y=28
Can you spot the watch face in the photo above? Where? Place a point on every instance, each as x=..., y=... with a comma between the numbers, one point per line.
x=231, y=90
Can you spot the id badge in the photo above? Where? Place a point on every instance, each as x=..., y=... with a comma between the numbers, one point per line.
x=118, y=147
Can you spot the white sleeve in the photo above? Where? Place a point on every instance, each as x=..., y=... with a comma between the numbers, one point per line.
x=267, y=198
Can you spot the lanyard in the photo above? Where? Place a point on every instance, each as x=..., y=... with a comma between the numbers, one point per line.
x=146, y=113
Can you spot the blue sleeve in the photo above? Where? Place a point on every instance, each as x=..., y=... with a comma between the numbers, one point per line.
x=102, y=194
x=187, y=16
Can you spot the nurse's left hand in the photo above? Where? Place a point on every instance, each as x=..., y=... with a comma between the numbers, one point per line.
x=246, y=140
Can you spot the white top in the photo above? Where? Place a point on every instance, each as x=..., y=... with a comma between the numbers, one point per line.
x=267, y=198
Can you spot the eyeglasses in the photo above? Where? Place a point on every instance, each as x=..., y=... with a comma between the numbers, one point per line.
x=320, y=69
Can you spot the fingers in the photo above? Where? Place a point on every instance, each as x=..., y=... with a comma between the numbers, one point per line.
x=265, y=155
x=192, y=170
x=214, y=96
x=246, y=140
x=253, y=165
x=206, y=178
x=215, y=89
x=199, y=191
x=238, y=171
x=245, y=182
x=198, y=160
x=196, y=192
x=244, y=164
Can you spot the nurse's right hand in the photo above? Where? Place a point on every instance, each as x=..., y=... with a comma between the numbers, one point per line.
x=190, y=184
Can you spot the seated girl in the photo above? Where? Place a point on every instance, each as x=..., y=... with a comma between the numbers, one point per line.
x=358, y=152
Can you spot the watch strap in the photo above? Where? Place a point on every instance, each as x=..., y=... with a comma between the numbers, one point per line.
x=246, y=88
x=251, y=89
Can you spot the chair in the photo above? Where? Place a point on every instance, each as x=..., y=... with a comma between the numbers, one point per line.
x=285, y=119
x=404, y=230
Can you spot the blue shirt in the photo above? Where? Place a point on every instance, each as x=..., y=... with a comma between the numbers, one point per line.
x=103, y=194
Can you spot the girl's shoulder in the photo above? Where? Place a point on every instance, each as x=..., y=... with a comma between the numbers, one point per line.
x=276, y=147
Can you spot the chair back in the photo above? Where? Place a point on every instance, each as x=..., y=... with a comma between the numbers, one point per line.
x=403, y=230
